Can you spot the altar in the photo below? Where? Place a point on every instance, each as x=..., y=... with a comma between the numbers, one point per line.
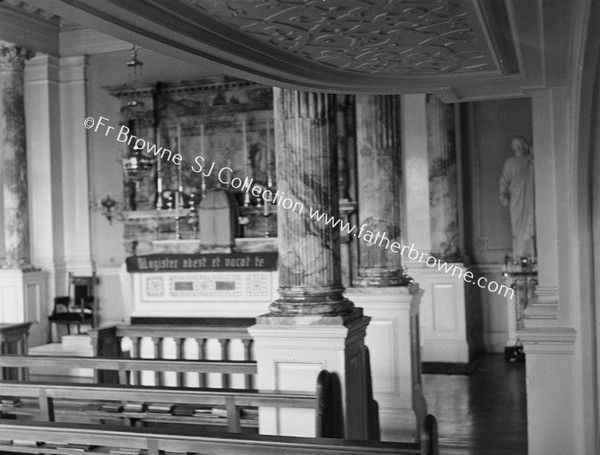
x=211, y=285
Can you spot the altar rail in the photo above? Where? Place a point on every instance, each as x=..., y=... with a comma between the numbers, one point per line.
x=108, y=341
x=52, y=439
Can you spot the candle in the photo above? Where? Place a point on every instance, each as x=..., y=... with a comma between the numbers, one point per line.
x=246, y=161
x=179, y=174
x=265, y=207
x=245, y=147
x=202, y=139
x=269, y=159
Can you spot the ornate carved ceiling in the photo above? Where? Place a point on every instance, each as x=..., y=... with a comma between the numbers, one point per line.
x=367, y=36
x=459, y=49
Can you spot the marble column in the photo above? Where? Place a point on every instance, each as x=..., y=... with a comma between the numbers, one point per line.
x=378, y=137
x=312, y=326
x=14, y=156
x=309, y=250
x=443, y=185
x=346, y=143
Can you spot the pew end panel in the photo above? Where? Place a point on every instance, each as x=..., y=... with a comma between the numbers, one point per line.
x=106, y=343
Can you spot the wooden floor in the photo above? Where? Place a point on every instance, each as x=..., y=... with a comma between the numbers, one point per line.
x=481, y=414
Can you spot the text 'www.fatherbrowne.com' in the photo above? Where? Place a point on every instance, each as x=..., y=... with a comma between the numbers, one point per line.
x=225, y=175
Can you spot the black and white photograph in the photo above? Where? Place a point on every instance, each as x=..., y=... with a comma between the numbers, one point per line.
x=297, y=227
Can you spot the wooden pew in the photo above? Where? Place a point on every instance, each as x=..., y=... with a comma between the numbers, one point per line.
x=101, y=439
x=51, y=397
x=125, y=366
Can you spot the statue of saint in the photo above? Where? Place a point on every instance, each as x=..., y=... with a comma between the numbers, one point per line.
x=516, y=192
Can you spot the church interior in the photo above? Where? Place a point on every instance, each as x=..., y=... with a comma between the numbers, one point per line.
x=299, y=226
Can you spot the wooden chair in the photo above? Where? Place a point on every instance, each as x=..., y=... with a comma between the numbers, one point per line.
x=78, y=310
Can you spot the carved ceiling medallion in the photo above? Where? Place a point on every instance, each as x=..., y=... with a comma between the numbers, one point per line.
x=394, y=37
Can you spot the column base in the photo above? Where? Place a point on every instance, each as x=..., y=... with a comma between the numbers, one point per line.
x=291, y=351
x=380, y=277
x=303, y=301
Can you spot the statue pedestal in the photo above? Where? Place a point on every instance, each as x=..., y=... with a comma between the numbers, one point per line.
x=524, y=284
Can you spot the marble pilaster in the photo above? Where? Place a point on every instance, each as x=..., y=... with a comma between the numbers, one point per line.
x=443, y=189
x=75, y=166
x=14, y=156
x=378, y=137
x=309, y=250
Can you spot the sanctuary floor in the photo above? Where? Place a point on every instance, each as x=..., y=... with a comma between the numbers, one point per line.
x=481, y=414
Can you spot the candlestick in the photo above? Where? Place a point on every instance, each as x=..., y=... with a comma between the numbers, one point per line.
x=246, y=161
x=179, y=172
x=177, y=233
x=202, y=149
x=159, y=186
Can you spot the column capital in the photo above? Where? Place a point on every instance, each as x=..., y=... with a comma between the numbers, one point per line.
x=13, y=56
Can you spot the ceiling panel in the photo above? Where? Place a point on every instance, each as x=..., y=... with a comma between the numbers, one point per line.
x=367, y=36
x=458, y=49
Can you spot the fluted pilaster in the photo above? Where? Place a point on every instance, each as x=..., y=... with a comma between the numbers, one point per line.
x=309, y=250
x=379, y=146
x=14, y=156
x=443, y=189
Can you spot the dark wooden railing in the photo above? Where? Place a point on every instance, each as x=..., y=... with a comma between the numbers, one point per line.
x=107, y=342
x=14, y=339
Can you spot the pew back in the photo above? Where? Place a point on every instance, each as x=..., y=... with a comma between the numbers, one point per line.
x=124, y=366
x=158, y=443
x=231, y=400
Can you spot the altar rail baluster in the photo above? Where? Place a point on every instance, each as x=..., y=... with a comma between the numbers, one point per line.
x=201, y=356
x=202, y=334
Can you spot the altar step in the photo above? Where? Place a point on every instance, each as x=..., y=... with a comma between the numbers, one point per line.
x=70, y=345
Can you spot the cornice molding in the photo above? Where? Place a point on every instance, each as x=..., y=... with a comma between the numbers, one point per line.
x=27, y=28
